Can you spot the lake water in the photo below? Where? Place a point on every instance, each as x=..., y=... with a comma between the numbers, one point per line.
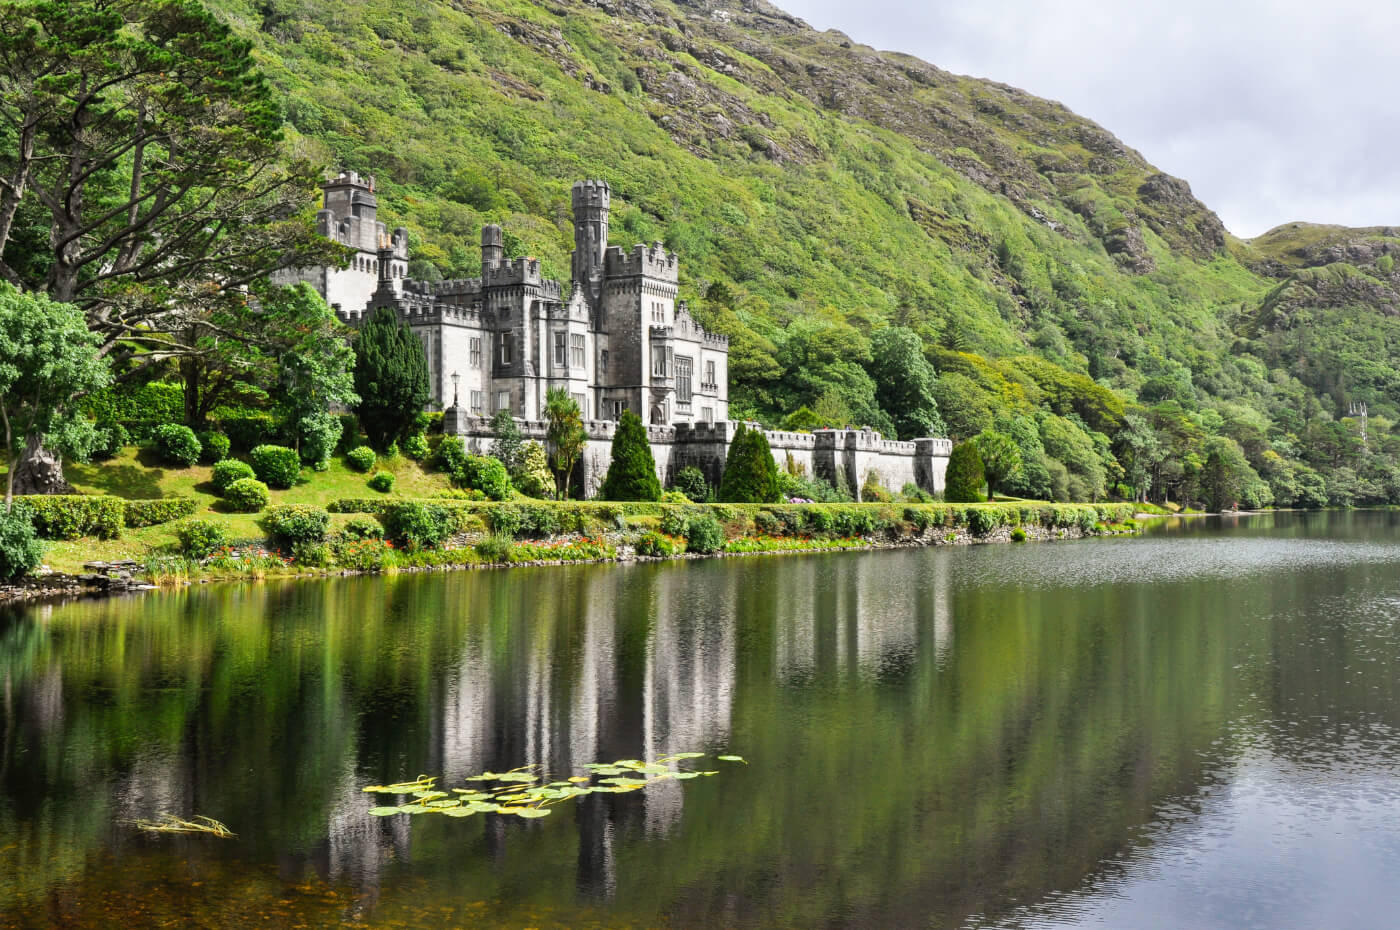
x=1195, y=728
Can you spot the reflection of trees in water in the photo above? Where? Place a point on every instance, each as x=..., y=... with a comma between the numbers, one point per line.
x=939, y=746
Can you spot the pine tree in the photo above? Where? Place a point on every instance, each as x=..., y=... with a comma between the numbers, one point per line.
x=632, y=474
x=965, y=475
x=750, y=474
x=391, y=377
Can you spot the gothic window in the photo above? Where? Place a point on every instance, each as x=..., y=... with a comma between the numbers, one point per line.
x=682, y=379
x=478, y=399
x=710, y=372
x=560, y=346
x=603, y=362
x=474, y=350
x=506, y=348
x=707, y=415
x=582, y=401
x=577, y=348
x=658, y=361
x=617, y=408
x=502, y=400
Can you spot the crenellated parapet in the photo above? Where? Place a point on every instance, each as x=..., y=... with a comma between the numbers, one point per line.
x=510, y=271
x=643, y=261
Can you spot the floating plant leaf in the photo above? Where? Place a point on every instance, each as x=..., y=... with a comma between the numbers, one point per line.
x=731, y=759
x=580, y=779
x=457, y=812
x=685, y=775
x=385, y=811
x=686, y=755
x=429, y=795
x=531, y=813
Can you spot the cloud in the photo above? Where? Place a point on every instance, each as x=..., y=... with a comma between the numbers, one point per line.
x=1273, y=111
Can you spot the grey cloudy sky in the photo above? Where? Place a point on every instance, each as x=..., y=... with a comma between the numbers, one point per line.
x=1274, y=111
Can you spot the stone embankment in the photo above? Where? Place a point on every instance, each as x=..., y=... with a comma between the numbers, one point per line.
x=100, y=579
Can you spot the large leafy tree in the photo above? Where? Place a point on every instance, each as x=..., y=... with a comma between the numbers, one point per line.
x=965, y=475
x=315, y=369
x=1001, y=459
x=47, y=357
x=567, y=437
x=632, y=473
x=391, y=377
x=905, y=382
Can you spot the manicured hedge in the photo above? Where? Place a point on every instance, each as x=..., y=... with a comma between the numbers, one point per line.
x=73, y=516
x=246, y=495
x=291, y=524
x=277, y=466
x=156, y=512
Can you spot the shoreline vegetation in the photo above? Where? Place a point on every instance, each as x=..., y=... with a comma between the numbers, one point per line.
x=392, y=535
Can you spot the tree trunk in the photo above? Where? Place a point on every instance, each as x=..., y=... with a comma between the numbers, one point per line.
x=190, y=370
x=40, y=470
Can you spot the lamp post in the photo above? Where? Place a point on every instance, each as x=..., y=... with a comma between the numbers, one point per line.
x=455, y=379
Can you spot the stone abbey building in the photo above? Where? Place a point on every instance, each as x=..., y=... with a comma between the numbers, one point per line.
x=616, y=338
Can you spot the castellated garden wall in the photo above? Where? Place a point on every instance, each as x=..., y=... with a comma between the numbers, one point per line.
x=822, y=454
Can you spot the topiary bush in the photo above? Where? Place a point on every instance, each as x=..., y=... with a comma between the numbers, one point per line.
x=200, y=539
x=965, y=475
x=230, y=470
x=382, y=481
x=703, y=534
x=246, y=495
x=176, y=444
x=289, y=524
x=112, y=438
x=361, y=458
x=485, y=474
x=215, y=447
x=416, y=526
x=278, y=466
x=632, y=472
x=20, y=549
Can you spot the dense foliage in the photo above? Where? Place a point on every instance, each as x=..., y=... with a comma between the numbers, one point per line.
x=177, y=445
x=246, y=495
x=391, y=377
x=277, y=466
x=750, y=473
x=230, y=470
x=966, y=475
x=632, y=472
x=20, y=549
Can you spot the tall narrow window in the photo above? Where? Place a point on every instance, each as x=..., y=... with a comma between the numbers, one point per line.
x=506, y=349
x=603, y=362
x=503, y=400
x=474, y=345
x=683, y=386
x=658, y=361
x=478, y=403
x=576, y=350
x=582, y=401
x=710, y=372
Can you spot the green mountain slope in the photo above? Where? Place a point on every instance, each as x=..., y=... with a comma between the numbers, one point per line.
x=817, y=190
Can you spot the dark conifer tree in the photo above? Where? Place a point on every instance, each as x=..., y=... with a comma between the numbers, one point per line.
x=391, y=377
x=750, y=474
x=632, y=473
x=965, y=475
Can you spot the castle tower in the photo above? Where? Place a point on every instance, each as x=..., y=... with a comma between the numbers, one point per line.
x=592, y=201
x=351, y=213
x=493, y=248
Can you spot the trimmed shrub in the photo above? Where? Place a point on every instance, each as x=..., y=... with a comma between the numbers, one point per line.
x=416, y=526
x=200, y=539
x=965, y=475
x=137, y=514
x=1018, y=535
x=750, y=474
x=215, y=447
x=176, y=444
x=416, y=447
x=112, y=438
x=674, y=497
x=73, y=516
x=230, y=470
x=381, y=481
x=359, y=528
x=691, y=482
x=632, y=472
x=704, y=534
x=20, y=549
x=289, y=524
x=485, y=474
x=361, y=458
x=246, y=495
x=277, y=466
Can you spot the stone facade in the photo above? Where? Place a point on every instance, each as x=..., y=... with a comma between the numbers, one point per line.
x=617, y=339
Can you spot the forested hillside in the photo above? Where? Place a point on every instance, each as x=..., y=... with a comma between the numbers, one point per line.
x=1066, y=292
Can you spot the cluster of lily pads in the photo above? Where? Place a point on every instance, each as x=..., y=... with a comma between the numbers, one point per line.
x=527, y=792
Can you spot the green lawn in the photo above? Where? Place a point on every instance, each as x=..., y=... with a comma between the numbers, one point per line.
x=136, y=474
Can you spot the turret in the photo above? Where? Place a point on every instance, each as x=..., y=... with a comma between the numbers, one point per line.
x=592, y=201
x=353, y=208
x=493, y=247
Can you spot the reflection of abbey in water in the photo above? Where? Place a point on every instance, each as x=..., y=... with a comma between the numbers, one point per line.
x=616, y=339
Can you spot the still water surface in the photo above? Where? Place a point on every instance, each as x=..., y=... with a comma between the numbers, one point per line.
x=1198, y=728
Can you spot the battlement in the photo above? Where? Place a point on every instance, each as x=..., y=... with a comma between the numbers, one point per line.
x=597, y=194
x=786, y=439
x=942, y=448
x=458, y=287
x=645, y=261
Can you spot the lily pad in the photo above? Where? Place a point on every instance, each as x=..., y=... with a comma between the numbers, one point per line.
x=385, y=811
x=731, y=759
